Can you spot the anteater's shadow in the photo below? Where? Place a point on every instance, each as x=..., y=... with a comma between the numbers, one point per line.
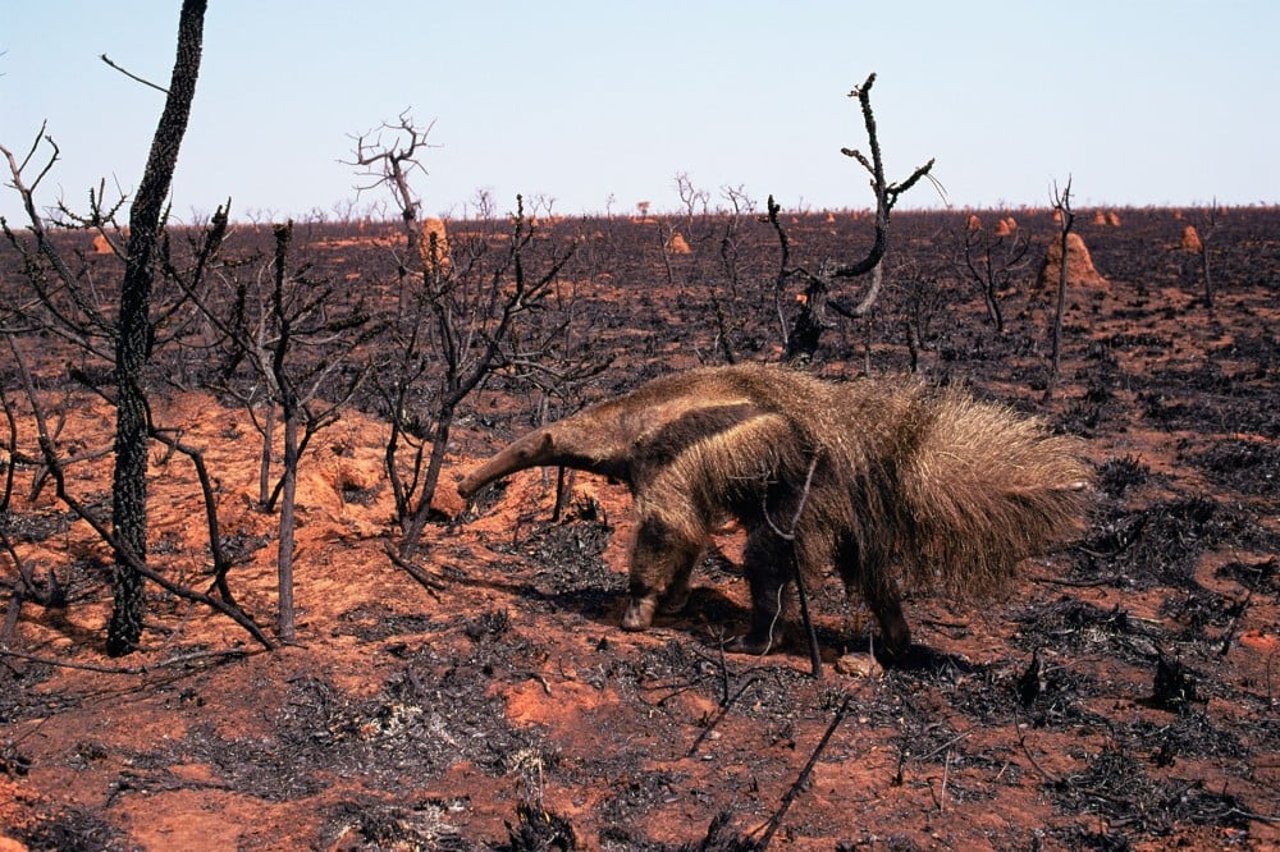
x=922, y=658
x=714, y=620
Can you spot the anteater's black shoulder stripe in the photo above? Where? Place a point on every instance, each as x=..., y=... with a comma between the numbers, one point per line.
x=661, y=447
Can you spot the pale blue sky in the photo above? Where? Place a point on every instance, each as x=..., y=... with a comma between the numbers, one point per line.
x=1170, y=102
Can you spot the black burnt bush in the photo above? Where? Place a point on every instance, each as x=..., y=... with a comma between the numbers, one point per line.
x=1250, y=467
x=1160, y=544
x=1115, y=476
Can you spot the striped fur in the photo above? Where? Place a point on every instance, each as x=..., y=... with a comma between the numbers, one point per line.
x=911, y=488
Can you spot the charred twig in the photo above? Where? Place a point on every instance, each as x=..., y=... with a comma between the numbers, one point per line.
x=1074, y=584
x=565, y=479
x=432, y=586
x=904, y=752
x=41, y=476
x=163, y=782
x=724, y=672
x=12, y=449
x=946, y=772
x=675, y=691
x=815, y=656
x=27, y=582
x=11, y=617
x=92, y=322
x=776, y=819
x=1022, y=743
x=1235, y=622
x=947, y=745
x=1251, y=815
x=133, y=76
x=720, y=714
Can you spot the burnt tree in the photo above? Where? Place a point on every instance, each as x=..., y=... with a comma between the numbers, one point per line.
x=133, y=341
x=458, y=311
x=991, y=259
x=811, y=321
x=473, y=318
x=1209, y=224
x=266, y=327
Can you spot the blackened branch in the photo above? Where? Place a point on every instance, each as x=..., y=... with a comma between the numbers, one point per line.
x=133, y=76
x=799, y=785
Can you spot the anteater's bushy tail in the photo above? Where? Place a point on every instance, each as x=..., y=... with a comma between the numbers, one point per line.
x=985, y=487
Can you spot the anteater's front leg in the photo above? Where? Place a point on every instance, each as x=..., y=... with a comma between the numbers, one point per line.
x=662, y=559
x=767, y=562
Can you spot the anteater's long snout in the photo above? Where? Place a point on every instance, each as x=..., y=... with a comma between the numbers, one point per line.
x=532, y=450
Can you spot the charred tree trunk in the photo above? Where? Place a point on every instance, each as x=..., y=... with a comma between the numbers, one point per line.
x=289, y=406
x=12, y=449
x=284, y=560
x=1061, y=203
x=264, y=461
x=1208, y=279
x=134, y=337
x=1210, y=225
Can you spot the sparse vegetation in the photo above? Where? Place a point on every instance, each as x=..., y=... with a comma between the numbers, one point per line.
x=1127, y=694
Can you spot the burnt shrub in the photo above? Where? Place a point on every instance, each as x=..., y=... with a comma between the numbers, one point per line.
x=1115, y=476
x=1250, y=467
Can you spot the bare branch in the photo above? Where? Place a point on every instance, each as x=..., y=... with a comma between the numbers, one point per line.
x=133, y=76
x=811, y=321
x=120, y=548
x=800, y=783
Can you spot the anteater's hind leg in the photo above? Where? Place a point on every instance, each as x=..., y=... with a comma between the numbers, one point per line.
x=879, y=590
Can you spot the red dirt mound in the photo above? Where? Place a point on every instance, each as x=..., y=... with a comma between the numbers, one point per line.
x=1191, y=240
x=1080, y=269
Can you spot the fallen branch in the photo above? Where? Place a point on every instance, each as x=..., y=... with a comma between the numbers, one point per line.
x=947, y=745
x=1251, y=815
x=128, y=670
x=776, y=819
x=432, y=586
